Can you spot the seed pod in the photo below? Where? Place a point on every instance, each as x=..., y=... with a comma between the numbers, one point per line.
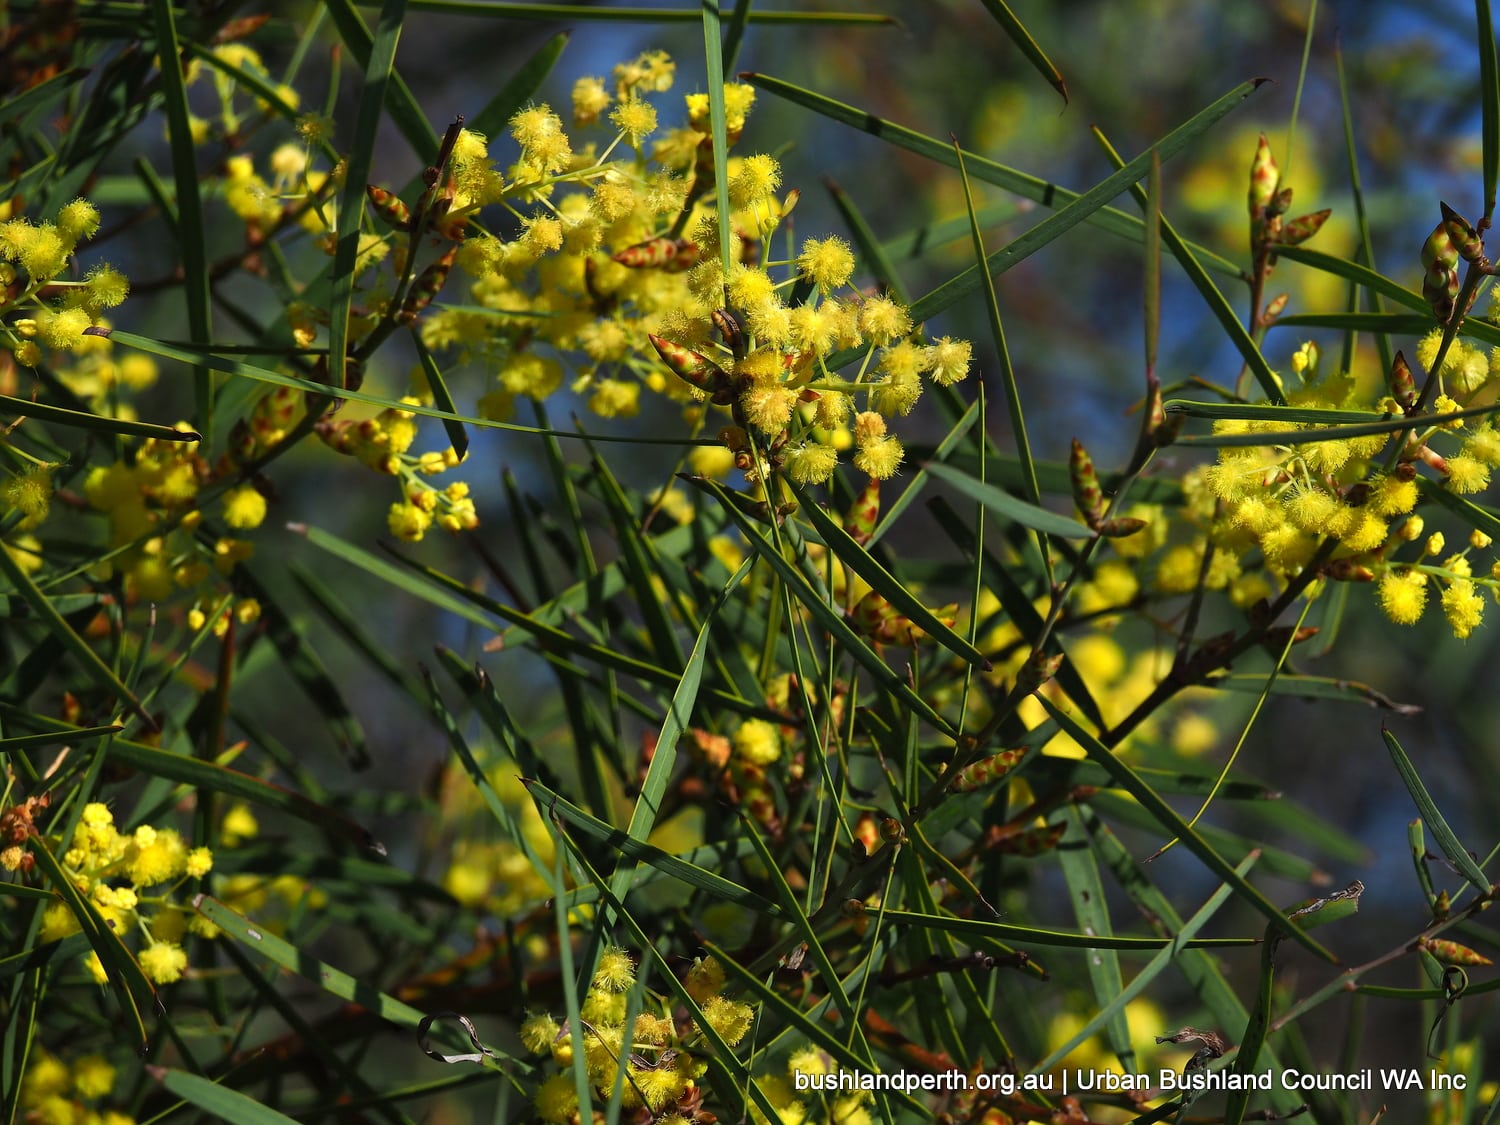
x=1465, y=238
x=1263, y=177
x=1347, y=570
x=427, y=286
x=389, y=207
x=1403, y=387
x=1303, y=228
x=1439, y=250
x=1451, y=953
x=1121, y=527
x=729, y=327
x=651, y=254
x=859, y=520
x=986, y=771
x=1086, y=494
x=692, y=368
x=1440, y=290
x=876, y=618
x=1031, y=842
x=685, y=258
x=1167, y=432
x=1039, y=668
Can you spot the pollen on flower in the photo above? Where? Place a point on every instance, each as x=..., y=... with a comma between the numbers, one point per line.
x=1403, y=595
x=244, y=507
x=636, y=119
x=1467, y=474
x=163, y=962
x=827, y=262
x=879, y=457
x=616, y=971
x=590, y=99
x=757, y=741
x=811, y=463
x=1462, y=607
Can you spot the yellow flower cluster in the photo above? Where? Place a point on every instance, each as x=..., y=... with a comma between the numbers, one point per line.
x=661, y=1056
x=38, y=305
x=117, y=872
x=56, y=1093
x=384, y=443
x=1269, y=511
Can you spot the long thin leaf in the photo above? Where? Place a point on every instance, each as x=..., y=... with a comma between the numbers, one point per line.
x=379, y=79
x=1028, y=187
x=216, y=1099
x=1169, y=820
x=1489, y=102
x=1016, y=32
x=1115, y=1005
x=95, y=423
x=501, y=10
x=884, y=583
x=58, y=627
x=190, y=232
x=697, y=877
x=1008, y=507
x=679, y=716
x=1007, y=369
x=833, y=621
x=1457, y=854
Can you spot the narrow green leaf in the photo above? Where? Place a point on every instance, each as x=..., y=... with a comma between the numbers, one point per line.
x=1173, y=824
x=378, y=55
x=1222, y=311
x=829, y=618
x=502, y=10
x=24, y=742
x=1313, y=687
x=679, y=716
x=351, y=628
x=1457, y=854
x=713, y=52
x=125, y=975
x=82, y=420
x=883, y=582
x=1489, y=102
x=306, y=667
x=331, y=980
x=1394, y=324
x=1064, y=220
x=406, y=114
x=1361, y=275
x=1017, y=33
x=550, y=804
x=1254, y=1036
x=1033, y=935
x=1008, y=507
x=1091, y=909
x=189, y=231
x=1037, y=190
x=64, y=634
x=1114, y=1006
x=220, y=1101
x=1476, y=516
x=1007, y=369
x=1259, y=412
x=42, y=94
x=199, y=774
x=458, y=437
